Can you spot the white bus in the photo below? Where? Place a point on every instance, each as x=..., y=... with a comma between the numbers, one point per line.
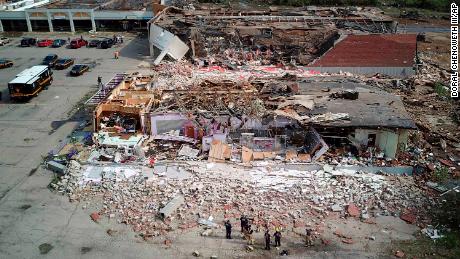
x=30, y=82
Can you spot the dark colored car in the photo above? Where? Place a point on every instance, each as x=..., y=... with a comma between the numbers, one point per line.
x=93, y=43
x=27, y=42
x=63, y=63
x=58, y=43
x=4, y=63
x=79, y=69
x=77, y=43
x=44, y=43
x=50, y=60
x=106, y=43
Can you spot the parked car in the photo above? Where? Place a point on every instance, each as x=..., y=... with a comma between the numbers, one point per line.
x=50, y=60
x=27, y=42
x=58, y=43
x=78, y=43
x=106, y=43
x=4, y=63
x=93, y=43
x=79, y=70
x=63, y=63
x=4, y=41
x=45, y=43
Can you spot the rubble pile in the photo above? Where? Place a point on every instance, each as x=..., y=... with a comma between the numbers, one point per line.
x=273, y=196
x=219, y=35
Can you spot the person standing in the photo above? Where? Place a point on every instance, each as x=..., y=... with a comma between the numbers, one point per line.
x=308, y=241
x=267, y=240
x=249, y=233
x=99, y=82
x=244, y=223
x=277, y=236
x=228, y=229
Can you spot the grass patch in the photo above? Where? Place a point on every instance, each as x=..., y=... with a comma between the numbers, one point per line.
x=424, y=247
x=440, y=175
x=441, y=90
x=55, y=180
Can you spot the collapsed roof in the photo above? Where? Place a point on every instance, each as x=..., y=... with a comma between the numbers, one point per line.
x=266, y=36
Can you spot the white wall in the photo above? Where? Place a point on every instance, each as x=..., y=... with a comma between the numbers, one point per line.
x=390, y=142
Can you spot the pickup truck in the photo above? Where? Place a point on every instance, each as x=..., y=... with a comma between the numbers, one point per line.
x=78, y=43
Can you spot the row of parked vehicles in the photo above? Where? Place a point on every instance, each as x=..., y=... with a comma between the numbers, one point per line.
x=53, y=61
x=31, y=81
x=104, y=43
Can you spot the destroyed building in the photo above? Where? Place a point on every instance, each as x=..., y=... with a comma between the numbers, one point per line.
x=259, y=118
x=266, y=36
x=124, y=109
x=370, y=116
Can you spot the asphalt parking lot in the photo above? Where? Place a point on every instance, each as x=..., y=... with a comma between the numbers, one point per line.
x=29, y=212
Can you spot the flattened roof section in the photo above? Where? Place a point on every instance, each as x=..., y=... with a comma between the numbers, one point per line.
x=375, y=50
x=374, y=107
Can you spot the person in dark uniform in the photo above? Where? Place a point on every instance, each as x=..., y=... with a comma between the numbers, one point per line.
x=277, y=236
x=244, y=223
x=228, y=229
x=267, y=240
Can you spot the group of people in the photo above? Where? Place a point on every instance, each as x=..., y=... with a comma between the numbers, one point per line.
x=247, y=232
x=277, y=236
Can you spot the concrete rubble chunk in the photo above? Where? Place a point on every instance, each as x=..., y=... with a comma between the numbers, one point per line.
x=56, y=167
x=365, y=216
x=207, y=232
x=336, y=208
x=208, y=223
x=196, y=253
x=328, y=168
x=188, y=151
x=171, y=206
